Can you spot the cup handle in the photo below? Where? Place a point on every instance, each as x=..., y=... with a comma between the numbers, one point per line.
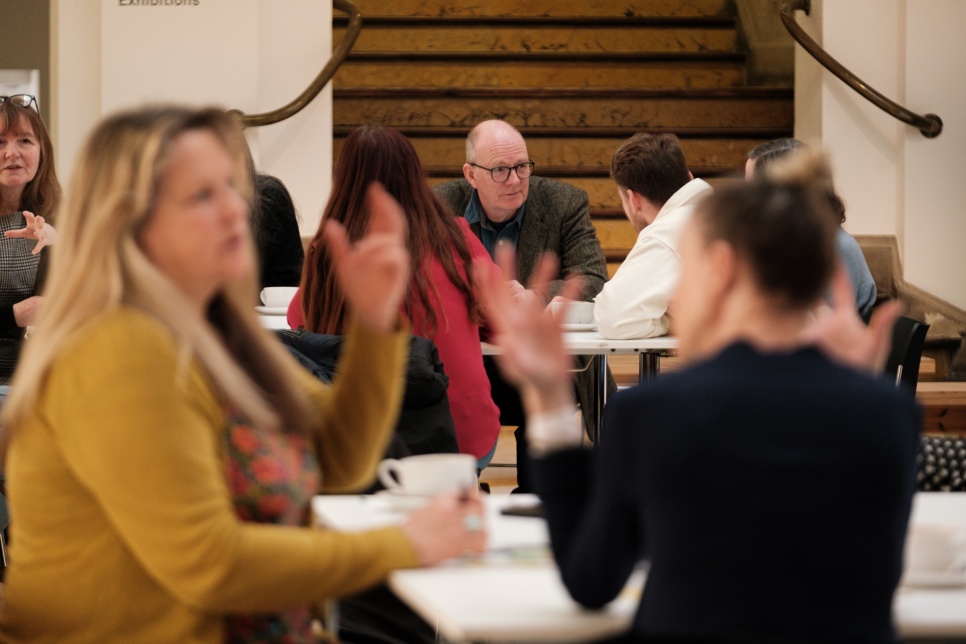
x=388, y=473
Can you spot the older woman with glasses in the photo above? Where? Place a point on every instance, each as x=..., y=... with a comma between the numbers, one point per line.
x=162, y=447
x=29, y=193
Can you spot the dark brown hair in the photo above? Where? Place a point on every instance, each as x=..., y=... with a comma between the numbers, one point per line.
x=376, y=153
x=767, y=153
x=652, y=165
x=41, y=196
x=781, y=223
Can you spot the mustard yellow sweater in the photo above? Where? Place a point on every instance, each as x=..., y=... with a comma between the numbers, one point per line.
x=122, y=524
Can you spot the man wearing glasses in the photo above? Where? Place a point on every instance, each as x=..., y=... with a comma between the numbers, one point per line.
x=506, y=206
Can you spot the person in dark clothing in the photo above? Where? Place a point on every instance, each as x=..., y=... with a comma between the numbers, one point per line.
x=276, y=232
x=767, y=484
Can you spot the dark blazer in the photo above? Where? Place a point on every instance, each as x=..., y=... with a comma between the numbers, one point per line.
x=769, y=491
x=556, y=219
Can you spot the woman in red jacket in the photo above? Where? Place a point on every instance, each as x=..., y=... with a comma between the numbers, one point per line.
x=442, y=302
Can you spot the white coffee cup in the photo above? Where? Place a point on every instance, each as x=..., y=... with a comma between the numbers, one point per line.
x=574, y=312
x=427, y=474
x=935, y=554
x=277, y=296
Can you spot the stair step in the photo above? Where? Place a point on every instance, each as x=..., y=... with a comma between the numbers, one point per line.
x=543, y=34
x=569, y=172
x=536, y=8
x=542, y=69
x=626, y=108
x=618, y=133
x=441, y=150
x=601, y=192
x=615, y=234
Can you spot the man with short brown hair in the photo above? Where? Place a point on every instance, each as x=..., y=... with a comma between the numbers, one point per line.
x=658, y=194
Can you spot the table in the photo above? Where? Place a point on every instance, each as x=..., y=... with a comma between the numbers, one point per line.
x=592, y=343
x=514, y=594
x=926, y=612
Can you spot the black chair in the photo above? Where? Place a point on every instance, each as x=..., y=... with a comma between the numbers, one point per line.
x=908, y=340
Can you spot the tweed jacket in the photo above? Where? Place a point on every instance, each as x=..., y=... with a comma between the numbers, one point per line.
x=556, y=219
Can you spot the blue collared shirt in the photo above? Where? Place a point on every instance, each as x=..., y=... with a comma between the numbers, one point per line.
x=490, y=236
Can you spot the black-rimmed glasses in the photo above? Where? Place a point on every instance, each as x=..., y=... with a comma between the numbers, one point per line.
x=501, y=172
x=22, y=100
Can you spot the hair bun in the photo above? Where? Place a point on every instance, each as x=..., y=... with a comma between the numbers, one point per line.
x=804, y=169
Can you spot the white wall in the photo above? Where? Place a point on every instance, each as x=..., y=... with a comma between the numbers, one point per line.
x=254, y=55
x=935, y=199
x=894, y=180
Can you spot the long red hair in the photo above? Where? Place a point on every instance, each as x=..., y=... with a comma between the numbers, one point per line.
x=376, y=153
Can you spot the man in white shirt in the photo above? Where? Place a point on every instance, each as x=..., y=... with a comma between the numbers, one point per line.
x=658, y=194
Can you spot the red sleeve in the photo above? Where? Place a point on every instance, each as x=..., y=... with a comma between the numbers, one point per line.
x=294, y=315
x=481, y=259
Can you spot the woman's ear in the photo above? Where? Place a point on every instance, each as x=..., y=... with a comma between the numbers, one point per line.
x=722, y=271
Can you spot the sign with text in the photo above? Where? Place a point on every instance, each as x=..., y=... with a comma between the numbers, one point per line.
x=191, y=52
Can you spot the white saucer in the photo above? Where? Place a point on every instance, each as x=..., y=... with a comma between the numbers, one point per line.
x=588, y=326
x=272, y=310
x=932, y=579
x=401, y=501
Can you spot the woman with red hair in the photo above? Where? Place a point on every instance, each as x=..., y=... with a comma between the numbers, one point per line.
x=442, y=302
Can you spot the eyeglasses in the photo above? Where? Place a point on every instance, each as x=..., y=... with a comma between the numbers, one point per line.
x=22, y=100
x=501, y=172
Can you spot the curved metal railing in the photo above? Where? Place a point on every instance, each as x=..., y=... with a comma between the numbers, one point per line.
x=310, y=92
x=929, y=124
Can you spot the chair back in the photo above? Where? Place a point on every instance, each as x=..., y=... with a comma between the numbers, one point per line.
x=908, y=340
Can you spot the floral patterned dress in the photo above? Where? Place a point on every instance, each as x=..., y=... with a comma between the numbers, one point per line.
x=272, y=476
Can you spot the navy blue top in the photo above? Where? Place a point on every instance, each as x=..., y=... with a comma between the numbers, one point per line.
x=492, y=235
x=770, y=493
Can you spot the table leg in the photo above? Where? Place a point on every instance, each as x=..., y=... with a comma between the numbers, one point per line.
x=650, y=367
x=601, y=382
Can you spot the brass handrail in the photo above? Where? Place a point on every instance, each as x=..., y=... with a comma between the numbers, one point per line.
x=930, y=124
x=306, y=97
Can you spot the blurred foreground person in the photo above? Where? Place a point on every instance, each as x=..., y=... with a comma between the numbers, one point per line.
x=162, y=448
x=767, y=484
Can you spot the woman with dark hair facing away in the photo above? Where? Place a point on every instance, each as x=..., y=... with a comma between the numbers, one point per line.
x=276, y=231
x=162, y=447
x=767, y=484
x=29, y=194
x=441, y=300
x=847, y=249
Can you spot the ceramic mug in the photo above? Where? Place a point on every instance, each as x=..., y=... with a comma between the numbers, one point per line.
x=427, y=474
x=278, y=296
x=574, y=312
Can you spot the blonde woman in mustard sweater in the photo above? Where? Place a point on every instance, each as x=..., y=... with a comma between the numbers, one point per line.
x=162, y=447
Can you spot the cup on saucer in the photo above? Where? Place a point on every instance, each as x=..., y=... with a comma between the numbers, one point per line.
x=278, y=296
x=428, y=474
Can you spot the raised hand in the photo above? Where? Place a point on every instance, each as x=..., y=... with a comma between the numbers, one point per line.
x=841, y=334
x=532, y=351
x=37, y=229
x=374, y=272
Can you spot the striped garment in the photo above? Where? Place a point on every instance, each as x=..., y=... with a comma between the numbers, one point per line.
x=18, y=273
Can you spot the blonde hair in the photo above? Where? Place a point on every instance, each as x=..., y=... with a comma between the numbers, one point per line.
x=99, y=265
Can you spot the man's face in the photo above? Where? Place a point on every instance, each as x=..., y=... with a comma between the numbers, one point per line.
x=500, y=201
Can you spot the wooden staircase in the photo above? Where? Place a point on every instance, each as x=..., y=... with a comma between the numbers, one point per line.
x=577, y=78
